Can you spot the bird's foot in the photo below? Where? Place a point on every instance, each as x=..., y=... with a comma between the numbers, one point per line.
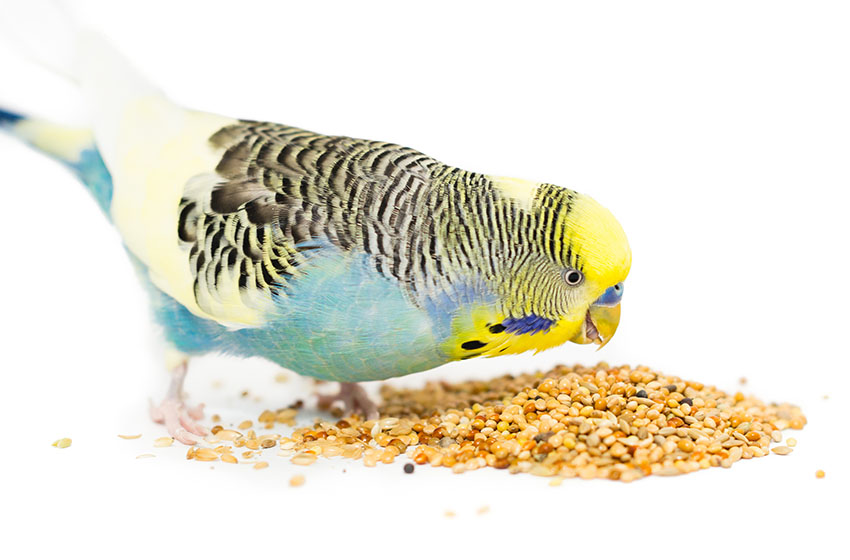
x=354, y=400
x=180, y=420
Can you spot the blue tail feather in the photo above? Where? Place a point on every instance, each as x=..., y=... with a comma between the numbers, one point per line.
x=88, y=165
x=7, y=117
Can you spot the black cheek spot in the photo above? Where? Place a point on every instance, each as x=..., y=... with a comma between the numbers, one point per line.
x=473, y=345
x=496, y=329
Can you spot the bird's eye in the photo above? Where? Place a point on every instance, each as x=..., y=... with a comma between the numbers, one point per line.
x=573, y=277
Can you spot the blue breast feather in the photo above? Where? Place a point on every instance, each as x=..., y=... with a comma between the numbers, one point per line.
x=341, y=321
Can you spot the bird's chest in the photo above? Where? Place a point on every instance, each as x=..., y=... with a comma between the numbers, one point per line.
x=343, y=321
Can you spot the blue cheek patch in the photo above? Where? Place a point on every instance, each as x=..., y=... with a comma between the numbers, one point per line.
x=611, y=297
x=530, y=324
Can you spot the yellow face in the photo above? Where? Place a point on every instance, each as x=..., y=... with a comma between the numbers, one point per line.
x=547, y=301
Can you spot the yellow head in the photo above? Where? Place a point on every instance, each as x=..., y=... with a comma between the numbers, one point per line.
x=561, y=278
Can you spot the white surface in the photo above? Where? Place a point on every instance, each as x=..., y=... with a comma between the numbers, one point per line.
x=718, y=134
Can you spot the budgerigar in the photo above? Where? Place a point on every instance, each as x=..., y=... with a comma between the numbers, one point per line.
x=337, y=258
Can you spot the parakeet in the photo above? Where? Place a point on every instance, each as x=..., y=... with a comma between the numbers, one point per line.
x=337, y=258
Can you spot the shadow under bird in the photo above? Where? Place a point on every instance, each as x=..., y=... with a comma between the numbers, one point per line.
x=337, y=258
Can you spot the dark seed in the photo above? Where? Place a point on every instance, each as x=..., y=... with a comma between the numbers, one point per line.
x=541, y=437
x=687, y=400
x=671, y=388
x=641, y=394
x=408, y=468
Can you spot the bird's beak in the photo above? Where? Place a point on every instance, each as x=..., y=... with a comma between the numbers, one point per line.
x=606, y=320
x=600, y=324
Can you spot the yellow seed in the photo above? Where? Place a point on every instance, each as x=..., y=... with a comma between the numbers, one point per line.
x=297, y=480
x=205, y=454
x=62, y=443
x=782, y=450
x=820, y=474
x=260, y=465
x=686, y=445
x=137, y=436
x=304, y=459
x=791, y=442
x=164, y=441
x=245, y=425
x=228, y=435
x=228, y=458
x=145, y=456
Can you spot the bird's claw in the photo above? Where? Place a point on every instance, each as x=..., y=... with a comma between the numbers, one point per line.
x=180, y=420
x=354, y=400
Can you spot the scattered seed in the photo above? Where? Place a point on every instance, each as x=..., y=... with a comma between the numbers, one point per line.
x=483, y=509
x=408, y=468
x=245, y=425
x=449, y=513
x=164, y=441
x=820, y=474
x=297, y=480
x=137, y=436
x=782, y=450
x=62, y=443
x=205, y=454
x=791, y=442
x=145, y=456
x=304, y=459
x=260, y=465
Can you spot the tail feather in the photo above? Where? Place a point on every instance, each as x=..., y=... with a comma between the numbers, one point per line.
x=73, y=147
x=8, y=119
x=43, y=31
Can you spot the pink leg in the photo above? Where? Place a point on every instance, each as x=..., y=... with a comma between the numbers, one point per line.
x=353, y=398
x=179, y=419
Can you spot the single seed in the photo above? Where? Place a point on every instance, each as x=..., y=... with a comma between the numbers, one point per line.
x=304, y=459
x=62, y=443
x=820, y=474
x=686, y=445
x=782, y=450
x=297, y=480
x=205, y=454
x=164, y=441
x=791, y=442
x=260, y=465
x=408, y=468
x=136, y=436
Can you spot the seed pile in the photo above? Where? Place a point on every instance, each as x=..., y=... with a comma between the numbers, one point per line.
x=619, y=423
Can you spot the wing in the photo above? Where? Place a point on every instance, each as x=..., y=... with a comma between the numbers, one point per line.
x=281, y=196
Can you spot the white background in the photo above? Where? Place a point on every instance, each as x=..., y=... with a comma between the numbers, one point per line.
x=718, y=133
